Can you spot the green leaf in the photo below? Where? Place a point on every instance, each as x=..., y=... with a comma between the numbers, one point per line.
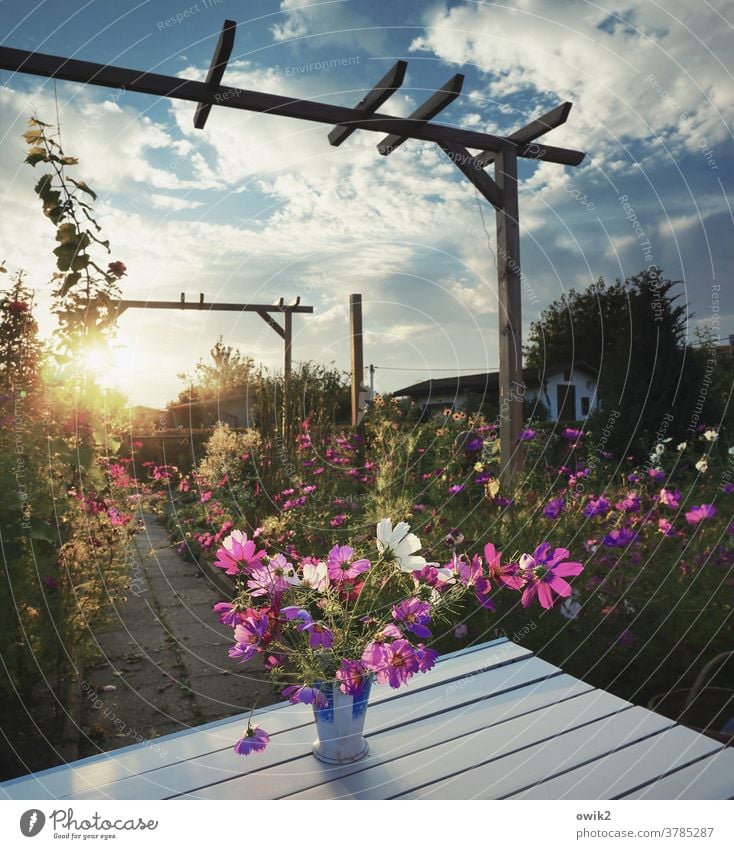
x=42, y=530
x=85, y=456
x=64, y=256
x=35, y=155
x=71, y=280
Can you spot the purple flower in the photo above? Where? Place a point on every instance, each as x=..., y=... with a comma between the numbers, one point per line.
x=527, y=435
x=728, y=488
x=554, y=508
x=340, y=565
x=426, y=658
x=619, y=538
x=255, y=739
x=474, y=444
x=338, y=520
x=700, y=513
x=414, y=615
x=303, y=694
x=467, y=572
x=460, y=631
x=456, y=488
x=656, y=474
x=544, y=571
x=630, y=503
x=319, y=636
x=228, y=613
x=596, y=507
x=626, y=638
x=292, y=613
x=572, y=435
x=351, y=675
x=248, y=635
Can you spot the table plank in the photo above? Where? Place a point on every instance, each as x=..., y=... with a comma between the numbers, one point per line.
x=457, y=756
x=620, y=772
x=511, y=769
x=709, y=778
x=525, y=692
x=92, y=777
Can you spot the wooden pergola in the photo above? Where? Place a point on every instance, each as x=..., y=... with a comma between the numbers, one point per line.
x=502, y=151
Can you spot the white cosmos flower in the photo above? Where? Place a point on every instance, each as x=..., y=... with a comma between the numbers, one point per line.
x=710, y=435
x=731, y=451
x=682, y=446
x=315, y=576
x=399, y=545
x=702, y=465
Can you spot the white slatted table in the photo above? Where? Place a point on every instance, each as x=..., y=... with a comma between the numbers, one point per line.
x=489, y=722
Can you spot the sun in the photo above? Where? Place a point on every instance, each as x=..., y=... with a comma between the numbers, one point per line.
x=108, y=364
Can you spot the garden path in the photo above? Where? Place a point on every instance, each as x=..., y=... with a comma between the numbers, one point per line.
x=164, y=662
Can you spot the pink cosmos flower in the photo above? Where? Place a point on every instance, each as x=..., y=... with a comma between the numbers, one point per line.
x=426, y=658
x=393, y=664
x=666, y=527
x=305, y=695
x=255, y=739
x=544, y=571
x=340, y=565
x=670, y=498
x=700, y=513
x=272, y=578
x=237, y=554
x=319, y=636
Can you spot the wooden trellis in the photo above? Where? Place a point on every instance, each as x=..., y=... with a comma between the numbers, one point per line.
x=501, y=191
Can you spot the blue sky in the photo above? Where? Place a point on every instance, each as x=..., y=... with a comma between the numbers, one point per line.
x=257, y=207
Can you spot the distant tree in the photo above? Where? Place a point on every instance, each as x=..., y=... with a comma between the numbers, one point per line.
x=230, y=372
x=633, y=333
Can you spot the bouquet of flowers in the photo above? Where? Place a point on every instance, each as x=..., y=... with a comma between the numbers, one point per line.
x=350, y=618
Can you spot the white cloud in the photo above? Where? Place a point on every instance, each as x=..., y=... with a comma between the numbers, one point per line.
x=173, y=203
x=630, y=80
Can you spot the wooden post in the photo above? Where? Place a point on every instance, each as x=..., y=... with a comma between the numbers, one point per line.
x=355, y=328
x=512, y=388
x=287, y=369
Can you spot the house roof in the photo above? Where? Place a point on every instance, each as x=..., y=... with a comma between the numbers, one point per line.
x=485, y=382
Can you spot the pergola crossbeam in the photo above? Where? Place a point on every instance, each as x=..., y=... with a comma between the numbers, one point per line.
x=473, y=170
x=221, y=56
x=384, y=89
x=436, y=103
x=549, y=121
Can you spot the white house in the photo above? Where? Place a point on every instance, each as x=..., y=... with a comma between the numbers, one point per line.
x=568, y=393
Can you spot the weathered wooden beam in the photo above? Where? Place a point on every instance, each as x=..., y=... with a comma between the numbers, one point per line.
x=109, y=76
x=471, y=168
x=357, y=356
x=201, y=305
x=384, y=89
x=222, y=52
x=272, y=322
x=511, y=385
x=436, y=103
x=549, y=121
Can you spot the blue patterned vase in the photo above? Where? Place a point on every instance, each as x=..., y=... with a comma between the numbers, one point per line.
x=339, y=725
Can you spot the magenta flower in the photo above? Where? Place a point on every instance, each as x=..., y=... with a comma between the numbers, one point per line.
x=571, y=434
x=630, y=503
x=527, y=435
x=468, y=572
x=507, y=574
x=414, y=615
x=666, y=527
x=238, y=554
x=700, y=513
x=338, y=520
x=340, y=565
x=374, y=659
x=394, y=664
x=352, y=676
x=544, y=571
x=456, y=488
x=228, y=613
x=554, y=508
x=255, y=739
